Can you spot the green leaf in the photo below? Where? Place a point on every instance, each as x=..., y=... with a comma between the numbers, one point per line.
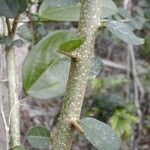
x=25, y=32
x=71, y=45
x=124, y=13
x=124, y=32
x=64, y=10
x=22, y=5
x=96, y=66
x=108, y=8
x=60, y=10
x=9, y=8
x=5, y=40
x=137, y=22
x=45, y=71
x=18, y=43
x=100, y=134
x=39, y=137
x=122, y=122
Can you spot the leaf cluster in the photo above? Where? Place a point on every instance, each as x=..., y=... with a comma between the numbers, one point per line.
x=10, y=8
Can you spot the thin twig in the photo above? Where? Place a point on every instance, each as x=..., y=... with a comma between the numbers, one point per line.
x=112, y=64
x=4, y=80
x=5, y=124
x=128, y=76
x=2, y=108
x=8, y=26
x=136, y=96
x=3, y=24
x=136, y=81
x=14, y=26
x=32, y=22
x=126, y=6
x=138, y=88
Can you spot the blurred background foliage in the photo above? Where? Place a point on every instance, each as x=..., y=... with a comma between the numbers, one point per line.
x=110, y=96
x=106, y=97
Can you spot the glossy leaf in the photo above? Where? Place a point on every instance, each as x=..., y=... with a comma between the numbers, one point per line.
x=100, y=134
x=96, y=67
x=9, y=8
x=39, y=137
x=71, y=45
x=64, y=10
x=22, y=5
x=124, y=32
x=45, y=71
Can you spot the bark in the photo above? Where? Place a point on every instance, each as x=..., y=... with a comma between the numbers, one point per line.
x=78, y=77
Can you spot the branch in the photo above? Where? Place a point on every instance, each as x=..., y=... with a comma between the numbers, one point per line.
x=112, y=64
x=8, y=26
x=79, y=74
x=14, y=26
x=137, y=83
x=13, y=97
x=32, y=22
x=14, y=104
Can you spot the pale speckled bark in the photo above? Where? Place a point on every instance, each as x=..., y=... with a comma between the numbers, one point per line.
x=14, y=105
x=78, y=77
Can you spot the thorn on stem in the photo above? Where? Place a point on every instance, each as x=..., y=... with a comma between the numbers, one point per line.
x=75, y=123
